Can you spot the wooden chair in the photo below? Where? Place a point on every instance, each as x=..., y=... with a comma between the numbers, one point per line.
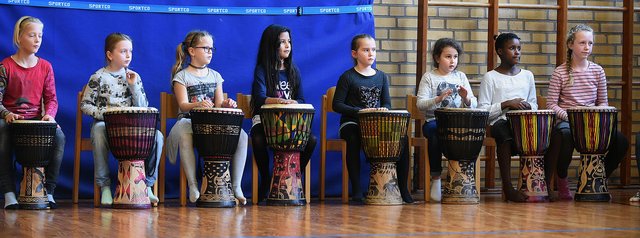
x=419, y=142
x=81, y=144
x=244, y=103
x=331, y=145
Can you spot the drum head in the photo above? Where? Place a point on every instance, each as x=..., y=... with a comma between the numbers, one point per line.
x=287, y=106
x=530, y=112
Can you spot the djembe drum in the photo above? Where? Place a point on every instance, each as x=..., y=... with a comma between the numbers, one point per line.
x=33, y=143
x=215, y=135
x=461, y=133
x=131, y=133
x=531, y=136
x=592, y=129
x=382, y=133
x=287, y=128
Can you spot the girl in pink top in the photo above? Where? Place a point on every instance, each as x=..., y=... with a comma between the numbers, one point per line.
x=578, y=82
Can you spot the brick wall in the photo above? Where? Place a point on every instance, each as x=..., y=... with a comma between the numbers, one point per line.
x=396, y=33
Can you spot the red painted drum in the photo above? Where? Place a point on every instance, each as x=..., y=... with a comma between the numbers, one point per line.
x=287, y=128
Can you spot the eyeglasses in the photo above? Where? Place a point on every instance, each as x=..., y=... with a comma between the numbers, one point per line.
x=206, y=49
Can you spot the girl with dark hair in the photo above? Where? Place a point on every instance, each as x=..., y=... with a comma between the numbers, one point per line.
x=444, y=86
x=276, y=81
x=507, y=87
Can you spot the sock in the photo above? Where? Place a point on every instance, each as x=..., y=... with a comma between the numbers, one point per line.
x=194, y=194
x=436, y=190
x=106, y=198
x=52, y=203
x=237, y=167
x=50, y=198
x=152, y=197
x=10, y=201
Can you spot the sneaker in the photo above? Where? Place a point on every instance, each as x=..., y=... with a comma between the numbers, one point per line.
x=563, y=189
x=635, y=198
x=436, y=190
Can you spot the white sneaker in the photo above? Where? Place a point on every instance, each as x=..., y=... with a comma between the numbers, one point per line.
x=106, y=198
x=194, y=194
x=436, y=190
x=635, y=198
x=152, y=197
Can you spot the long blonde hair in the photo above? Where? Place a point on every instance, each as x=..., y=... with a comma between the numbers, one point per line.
x=571, y=36
x=20, y=25
x=182, y=51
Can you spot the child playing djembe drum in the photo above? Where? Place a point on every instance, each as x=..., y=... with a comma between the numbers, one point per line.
x=115, y=85
x=363, y=87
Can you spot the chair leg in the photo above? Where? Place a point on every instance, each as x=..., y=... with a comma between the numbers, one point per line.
x=322, y=173
x=424, y=152
x=76, y=178
x=478, y=176
x=155, y=191
x=183, y=187
x=307, y=182
x=160, y=184
x=96, y=194
x=254, y=180
x=345, y=175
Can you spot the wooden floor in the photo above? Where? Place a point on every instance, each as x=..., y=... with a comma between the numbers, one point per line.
x=491, y=217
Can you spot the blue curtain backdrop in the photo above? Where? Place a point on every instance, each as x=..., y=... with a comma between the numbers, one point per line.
x=74, y=41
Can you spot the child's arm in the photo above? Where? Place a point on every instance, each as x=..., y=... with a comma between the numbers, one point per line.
x=339, y=105
x=553, y=95
x=426, y=97
x=183, y=101
x=4, y=112
x=602, y=99
x=299, y=93
x=470, y=100
x=90, y=97
x=385, y=99
x=532, y=98
x=49, y=97
x=137, y=90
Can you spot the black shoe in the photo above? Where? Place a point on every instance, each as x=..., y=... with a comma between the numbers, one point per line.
x=12, y=207
x=52, y=205
x=406, y=196
x=357, y=200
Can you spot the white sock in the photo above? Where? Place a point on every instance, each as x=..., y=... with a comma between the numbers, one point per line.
x=50, y=198
x=237, y=192
x=194, y=193
x=237, y=167
x=106, y=198
x=436, y=190
x=152, y=197
x=10, y=199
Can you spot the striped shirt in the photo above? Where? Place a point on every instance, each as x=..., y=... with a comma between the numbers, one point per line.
x=589, y=89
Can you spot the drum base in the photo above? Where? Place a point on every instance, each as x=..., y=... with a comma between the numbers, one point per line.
x=131, y=191
x=216, y=184
x=460, y=187
x=531, y=181
x=286, y=183
x=383, y=185
x=592, y=185
x=33, y=195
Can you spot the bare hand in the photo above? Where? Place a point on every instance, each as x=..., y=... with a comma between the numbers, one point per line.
x=48, y=118
x=287, y=101
x=463, y=92
x=443, y=95
x=12, y=117
x=229, y=103
x=514, y=103
x=131, y=76
x=205, y=104
x=524, y=105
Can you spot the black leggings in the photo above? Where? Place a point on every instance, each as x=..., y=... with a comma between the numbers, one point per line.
x=259, y=145
x=561, y=147
x=351, y=134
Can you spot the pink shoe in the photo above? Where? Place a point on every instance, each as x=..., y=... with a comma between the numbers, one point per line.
x=563, y=189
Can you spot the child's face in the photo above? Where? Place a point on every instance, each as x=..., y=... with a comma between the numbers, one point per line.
x=285, y=45
x=582, y=45
x=448, y=60
x=121, y=55
x=510, y=52
x=202, y=52
x=366, y=53
x=31, y=38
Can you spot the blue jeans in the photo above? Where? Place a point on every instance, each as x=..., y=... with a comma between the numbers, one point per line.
x=430, y=131
x=101, y=156
x=7, y=168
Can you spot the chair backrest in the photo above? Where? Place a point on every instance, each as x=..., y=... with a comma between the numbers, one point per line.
x=327, y=107
x=416, y=114
x=244, y=104
x=82, y=143
x=542, y=102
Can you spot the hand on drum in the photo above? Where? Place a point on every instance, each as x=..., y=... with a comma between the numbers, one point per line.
x=287, y=101
x=131, y=76
x=48, y=118
x=205, y=104
x=12, y=117
x=516, y=103
x=229, y=103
